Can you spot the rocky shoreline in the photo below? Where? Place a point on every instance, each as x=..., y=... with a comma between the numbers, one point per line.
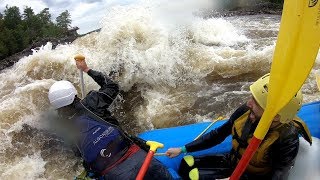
x=262, y=8
x=266, y=8
x=9, y=61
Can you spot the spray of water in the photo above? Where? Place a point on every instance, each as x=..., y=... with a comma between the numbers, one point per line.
x=173, y=67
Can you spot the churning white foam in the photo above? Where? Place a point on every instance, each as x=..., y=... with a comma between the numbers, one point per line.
x=29, y=167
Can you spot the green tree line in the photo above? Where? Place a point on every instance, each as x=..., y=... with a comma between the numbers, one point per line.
x=18, y=31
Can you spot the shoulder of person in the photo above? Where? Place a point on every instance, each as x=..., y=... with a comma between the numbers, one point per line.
x=288, y=132
x=239, y=112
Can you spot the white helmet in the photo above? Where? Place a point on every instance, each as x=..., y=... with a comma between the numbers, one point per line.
x=61, y=93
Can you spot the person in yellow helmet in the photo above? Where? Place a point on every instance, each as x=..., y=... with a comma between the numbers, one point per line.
x=275, y=155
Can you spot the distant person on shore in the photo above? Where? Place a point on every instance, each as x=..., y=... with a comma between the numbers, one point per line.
x=275, y=155
x=108, y=152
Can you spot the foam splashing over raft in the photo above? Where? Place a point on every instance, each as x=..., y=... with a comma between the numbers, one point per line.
x=307, y=165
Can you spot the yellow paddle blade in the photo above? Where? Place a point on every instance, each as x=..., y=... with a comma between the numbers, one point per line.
x=296, y=49
x=318, y=80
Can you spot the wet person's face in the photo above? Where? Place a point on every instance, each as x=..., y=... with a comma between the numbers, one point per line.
x=256, y=110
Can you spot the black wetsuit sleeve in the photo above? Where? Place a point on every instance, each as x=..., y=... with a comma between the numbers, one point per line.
x=217, y=135
x=283, y=157
x=99, y=101
x=108, y=87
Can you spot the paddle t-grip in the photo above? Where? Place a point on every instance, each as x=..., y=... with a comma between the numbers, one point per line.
x=153, y=148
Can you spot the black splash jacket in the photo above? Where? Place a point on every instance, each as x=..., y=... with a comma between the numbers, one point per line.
x=99, y=101
x=283, y=151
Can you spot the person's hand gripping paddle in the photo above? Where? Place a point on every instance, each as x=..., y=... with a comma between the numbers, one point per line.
x=79, y=58
x=153, y=148
x=295, y=53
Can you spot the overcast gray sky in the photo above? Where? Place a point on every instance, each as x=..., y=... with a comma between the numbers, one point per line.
x=85, y=14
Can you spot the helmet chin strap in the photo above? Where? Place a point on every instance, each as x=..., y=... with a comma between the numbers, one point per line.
x=70, y=117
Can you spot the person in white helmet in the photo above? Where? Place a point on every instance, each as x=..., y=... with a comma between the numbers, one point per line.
x=275, y=155
x=108, y=152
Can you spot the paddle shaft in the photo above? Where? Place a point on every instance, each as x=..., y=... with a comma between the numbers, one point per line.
x=82, y=83
x=153, y=148
x=245, y=159
x=81, y=58
x=160, y=154
x=145, y=166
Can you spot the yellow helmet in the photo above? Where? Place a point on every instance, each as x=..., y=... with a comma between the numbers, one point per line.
x=259, y=90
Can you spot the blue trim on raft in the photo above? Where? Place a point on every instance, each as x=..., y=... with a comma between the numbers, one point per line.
x=179, y=136
x=310, y=113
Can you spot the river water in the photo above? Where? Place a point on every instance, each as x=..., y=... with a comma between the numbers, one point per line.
x=173, y=67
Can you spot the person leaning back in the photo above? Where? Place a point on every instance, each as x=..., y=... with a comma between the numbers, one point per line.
x=108, y=152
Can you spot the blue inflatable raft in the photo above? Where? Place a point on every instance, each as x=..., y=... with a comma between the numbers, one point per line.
x=179, y=136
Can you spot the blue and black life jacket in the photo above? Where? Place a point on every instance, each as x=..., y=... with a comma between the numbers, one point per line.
x=101, y=143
